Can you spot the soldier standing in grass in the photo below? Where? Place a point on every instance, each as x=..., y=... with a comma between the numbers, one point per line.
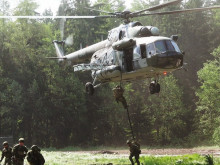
x=118, y=94
x=134, y=151
x=34, y=157
x=19, y=152
x=7, y=153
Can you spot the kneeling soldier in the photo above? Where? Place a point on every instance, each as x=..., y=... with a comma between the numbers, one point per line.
x=7, y=153
x=34, y=157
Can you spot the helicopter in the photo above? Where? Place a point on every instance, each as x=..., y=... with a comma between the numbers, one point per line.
x=130, y=52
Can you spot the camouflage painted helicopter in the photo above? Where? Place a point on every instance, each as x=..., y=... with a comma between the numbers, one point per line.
x=131, y=51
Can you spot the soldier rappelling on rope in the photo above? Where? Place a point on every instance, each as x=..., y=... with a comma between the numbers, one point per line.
x=133, y=145
x=118, y=94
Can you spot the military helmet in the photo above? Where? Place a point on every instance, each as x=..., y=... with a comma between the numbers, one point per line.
x=21, y=140
x=128, y=142
x=35, y=148
x=5, y=143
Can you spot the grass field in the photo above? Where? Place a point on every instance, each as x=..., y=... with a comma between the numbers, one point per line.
x=71, y=158
x=79, y=156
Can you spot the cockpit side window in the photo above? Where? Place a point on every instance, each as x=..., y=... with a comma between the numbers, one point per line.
x=176, y=46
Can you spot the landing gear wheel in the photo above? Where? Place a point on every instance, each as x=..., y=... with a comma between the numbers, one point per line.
x=154, y=87
x=89, y=88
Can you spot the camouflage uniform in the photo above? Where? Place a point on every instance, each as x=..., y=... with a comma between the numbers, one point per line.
x=118, y=94
x=19, y=152
x=7, y=153
x=34, y=156
x=134, y=151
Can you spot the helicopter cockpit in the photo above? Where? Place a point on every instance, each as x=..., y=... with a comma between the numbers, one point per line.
x=158, y=54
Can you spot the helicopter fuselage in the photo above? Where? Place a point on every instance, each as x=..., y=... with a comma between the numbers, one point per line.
x=148, y=57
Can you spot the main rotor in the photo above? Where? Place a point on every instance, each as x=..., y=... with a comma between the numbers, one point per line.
x=125, y=15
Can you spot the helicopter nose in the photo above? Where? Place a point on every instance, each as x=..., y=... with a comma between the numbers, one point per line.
x=166, y=60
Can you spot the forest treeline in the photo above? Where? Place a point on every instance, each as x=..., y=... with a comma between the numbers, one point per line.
x=46, y=103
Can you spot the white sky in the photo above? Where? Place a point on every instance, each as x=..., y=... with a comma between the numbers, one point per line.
x=50, y=4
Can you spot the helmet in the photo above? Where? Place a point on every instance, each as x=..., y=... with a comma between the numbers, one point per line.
x=128, y=142
x=35, y=148
x=21, y=140
x=5, y=143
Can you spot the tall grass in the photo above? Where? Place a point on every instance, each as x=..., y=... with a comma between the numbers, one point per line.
x=72, y=158
x=76, y=158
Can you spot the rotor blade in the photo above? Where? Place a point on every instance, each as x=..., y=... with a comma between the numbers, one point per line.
x=102, y=11
x=57, y=17
x=180, y=11
x=55, y=58
x=159, y=6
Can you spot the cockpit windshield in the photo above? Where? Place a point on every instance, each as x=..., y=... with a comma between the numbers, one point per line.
x=164, y=45
x=157, y=47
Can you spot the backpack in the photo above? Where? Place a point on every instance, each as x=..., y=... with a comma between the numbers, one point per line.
x=138, y=147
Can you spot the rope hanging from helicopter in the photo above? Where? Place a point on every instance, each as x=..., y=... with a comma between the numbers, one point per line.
x=128, y=114
x=129, y=120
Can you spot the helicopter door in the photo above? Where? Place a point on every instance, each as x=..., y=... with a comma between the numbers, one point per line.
x=139, y=57
x=128, y=59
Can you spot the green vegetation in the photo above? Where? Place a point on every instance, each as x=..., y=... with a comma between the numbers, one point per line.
x=47, y=105
x=69, y=158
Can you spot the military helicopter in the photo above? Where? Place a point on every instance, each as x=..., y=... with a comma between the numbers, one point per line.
x=130, y=52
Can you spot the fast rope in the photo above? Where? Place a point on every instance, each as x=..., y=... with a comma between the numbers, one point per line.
x=121, y=77
x=130, y=123
x=129, y=120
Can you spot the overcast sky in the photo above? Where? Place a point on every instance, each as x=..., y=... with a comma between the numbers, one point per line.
x=52, y=4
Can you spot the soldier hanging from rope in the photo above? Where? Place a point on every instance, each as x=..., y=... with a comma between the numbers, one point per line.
x=118, y=94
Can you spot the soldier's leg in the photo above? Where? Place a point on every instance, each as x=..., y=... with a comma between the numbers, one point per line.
x=8, y=162
x=130, y=158
x=20, y=162
x=137, y=159
x=15, y=162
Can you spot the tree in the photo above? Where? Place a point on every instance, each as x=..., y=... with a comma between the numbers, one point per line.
x=208, y=106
